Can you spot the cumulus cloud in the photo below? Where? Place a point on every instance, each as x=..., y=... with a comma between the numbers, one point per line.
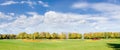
x=47, y=22
x=56, y=17
x=51, y=21
x=22, y=22
x=109, y=13
x=5, y=17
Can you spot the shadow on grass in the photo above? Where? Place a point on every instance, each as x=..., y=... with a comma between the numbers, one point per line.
x=114, y=46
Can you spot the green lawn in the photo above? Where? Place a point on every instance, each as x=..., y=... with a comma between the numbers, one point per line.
x=59, y=44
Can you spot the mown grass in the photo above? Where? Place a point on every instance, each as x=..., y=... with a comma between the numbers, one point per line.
x=58, y=44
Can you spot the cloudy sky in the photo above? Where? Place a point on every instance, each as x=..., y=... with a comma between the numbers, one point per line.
x=59, y=16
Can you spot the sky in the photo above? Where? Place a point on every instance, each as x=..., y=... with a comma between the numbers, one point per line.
x=59, y=16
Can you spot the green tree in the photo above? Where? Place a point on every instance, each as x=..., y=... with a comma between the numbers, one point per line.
x=62, y=36
x=30, y=36
x=48, y=36
x=12, y=36
x=0, y=36
x=54, y=35
x=42, y=35
x=22, y=35
x=79, y=36
x=4, y=36
x=36, y=35
x=74, y=35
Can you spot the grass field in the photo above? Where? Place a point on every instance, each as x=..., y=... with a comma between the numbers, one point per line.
x=109, y=44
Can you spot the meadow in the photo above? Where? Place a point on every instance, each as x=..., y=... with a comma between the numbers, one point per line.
x=58, y=44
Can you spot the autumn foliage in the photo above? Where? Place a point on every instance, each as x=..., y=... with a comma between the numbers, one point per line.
x=102, y=35
x=54, y=35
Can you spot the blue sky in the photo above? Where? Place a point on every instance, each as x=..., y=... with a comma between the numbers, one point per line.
x=59, y=16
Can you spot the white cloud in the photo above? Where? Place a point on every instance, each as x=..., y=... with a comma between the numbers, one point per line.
x=67, y=18
x=32, y=13
x=44, y=4
x=108, y=20
x=99, y=19
x=3, y=25
x=60, y=22
x=30, y=3
x=48, y=22
x=80, y=5
x=5, y=16
x=8, y=3
x=105, y=7
x=22, y=22
x=109, y=11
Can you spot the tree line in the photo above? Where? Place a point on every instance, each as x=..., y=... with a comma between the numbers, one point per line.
x=41, y=35
x=72, y=35
x=102, y=35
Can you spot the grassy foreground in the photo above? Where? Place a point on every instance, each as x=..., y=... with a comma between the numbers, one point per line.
x=103, y=44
